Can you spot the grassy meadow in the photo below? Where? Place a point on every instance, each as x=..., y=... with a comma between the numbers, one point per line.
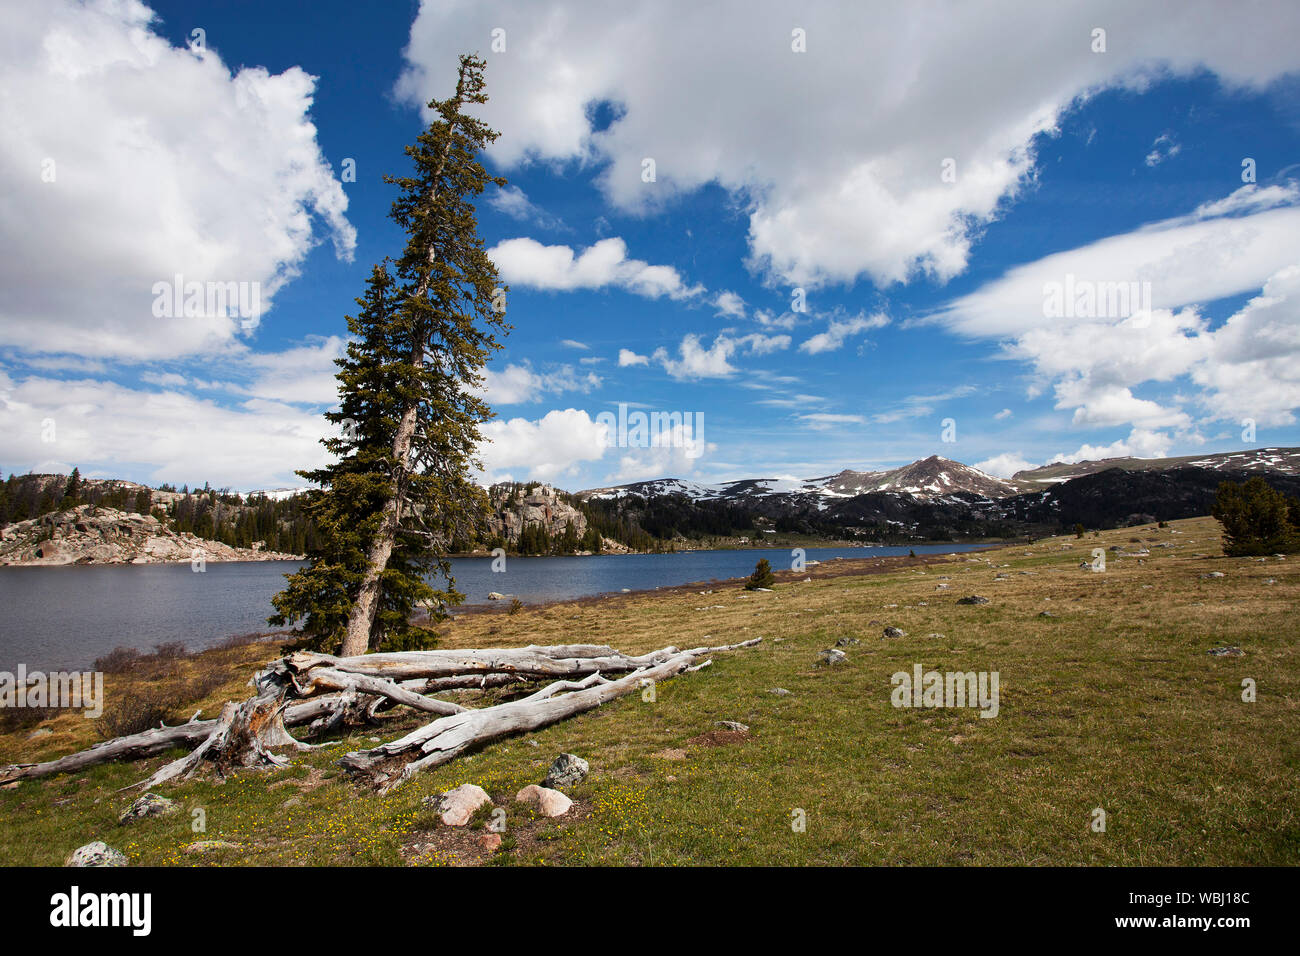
x=1112, y=702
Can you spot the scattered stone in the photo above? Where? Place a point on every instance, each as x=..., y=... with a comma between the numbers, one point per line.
x=149, y=805
x=208, y=846
x=1270, y=580
x=490, y=841
x=732, y=725
x=533, y=743
x=456, y=807
x=779, y=692
x=894, y=632
x=549, y=803
x=567, y=770
x=496, y=596
x=764, y=590
x=1231, y=651
x=831, y=656
x=98, y=853
x=1046, y=614
x=941, y=587
x=1212, y=574
x=936, y=635
x=847, y=642
x=975, y=599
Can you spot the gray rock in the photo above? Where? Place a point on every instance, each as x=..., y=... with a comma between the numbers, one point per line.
x=733, y=725
x=779, y=692
x=1046, y=614
x=831, y=656
x=1232, y=651
x=567, y=770
x=1212, y=574
x=847, y=642
x=894, y=632
x=149, y=805
x=98, y=853
x=976, y=599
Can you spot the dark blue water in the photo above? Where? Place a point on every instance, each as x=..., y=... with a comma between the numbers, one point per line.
x=66, y=617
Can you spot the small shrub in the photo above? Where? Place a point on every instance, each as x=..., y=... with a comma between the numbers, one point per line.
x=118, y=661
x=762, y=576
x=516, y=606
x=1079, y=530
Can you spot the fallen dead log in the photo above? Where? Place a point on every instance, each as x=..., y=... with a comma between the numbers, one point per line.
x=159, y=740
x=389, y=765
x=523, y=662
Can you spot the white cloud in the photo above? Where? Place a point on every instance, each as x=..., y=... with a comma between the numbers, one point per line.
x=848, y=183
x=730, y=304
x=1004, y=465
x=164, y=163
x=695, y=361
x=544, y=449
x=627, y=357
x=1141, y=443
x=514, y=202
x=575, y=344
x=839, y=331
x=518, y=383
x=1163, y=148
x=526, y=262
x=1005, y=413
x=821, y=421
x=173, y=435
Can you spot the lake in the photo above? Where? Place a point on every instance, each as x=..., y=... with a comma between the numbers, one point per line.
x=65, y=617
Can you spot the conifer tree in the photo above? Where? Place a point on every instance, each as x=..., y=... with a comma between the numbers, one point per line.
x=408, y=405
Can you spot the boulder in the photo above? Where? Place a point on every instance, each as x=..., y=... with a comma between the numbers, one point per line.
x=831, y=656
x=456, y=807
x=847, y=642
x=547, y=802
x=567, y=770
x=149, y=805
x=98, y=853
x=733, y=725
x=894, y=632
x=973, y=599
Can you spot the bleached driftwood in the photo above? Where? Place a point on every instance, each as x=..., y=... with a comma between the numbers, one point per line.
x=325, y=692
x=446, y=738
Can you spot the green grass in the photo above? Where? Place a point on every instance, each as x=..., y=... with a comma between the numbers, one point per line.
x=1112, y=703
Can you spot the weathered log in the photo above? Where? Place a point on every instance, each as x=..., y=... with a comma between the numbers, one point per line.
x=159, y=740
x=392, y=764
x=553, y=662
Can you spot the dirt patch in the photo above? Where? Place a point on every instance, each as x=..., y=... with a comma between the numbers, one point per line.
x=719, y=738
x=674, y=753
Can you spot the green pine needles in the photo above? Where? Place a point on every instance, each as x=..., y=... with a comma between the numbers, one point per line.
x=409, y=408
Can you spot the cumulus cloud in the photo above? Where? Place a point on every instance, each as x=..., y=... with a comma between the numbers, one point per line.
x=1163, y=148
x=695, y=361
x=626, y=357
x=1004, y=465
x=526, y=262
x=849, y=184
x=514, y=202
x=114, y=187
x=545, y=449
x=256, y=444
x=729, y=304
x=1096, y=363
x=518, y=383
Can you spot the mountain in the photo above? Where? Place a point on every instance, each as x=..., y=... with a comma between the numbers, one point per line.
x=940, y=499
x=930, y=478
x=1282, y=461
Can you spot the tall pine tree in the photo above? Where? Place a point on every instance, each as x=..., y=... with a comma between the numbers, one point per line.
x=407, y=405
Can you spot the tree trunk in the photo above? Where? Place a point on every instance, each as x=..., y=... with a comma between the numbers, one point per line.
x=392, y=764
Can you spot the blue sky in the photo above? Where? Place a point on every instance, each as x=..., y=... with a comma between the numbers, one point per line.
x=921, y=174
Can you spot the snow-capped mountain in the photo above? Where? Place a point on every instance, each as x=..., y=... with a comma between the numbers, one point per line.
x=930, y=478
x=1282, y=461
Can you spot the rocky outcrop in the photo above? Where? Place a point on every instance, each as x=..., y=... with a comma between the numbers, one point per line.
x=92, y=535
x=514, y=508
